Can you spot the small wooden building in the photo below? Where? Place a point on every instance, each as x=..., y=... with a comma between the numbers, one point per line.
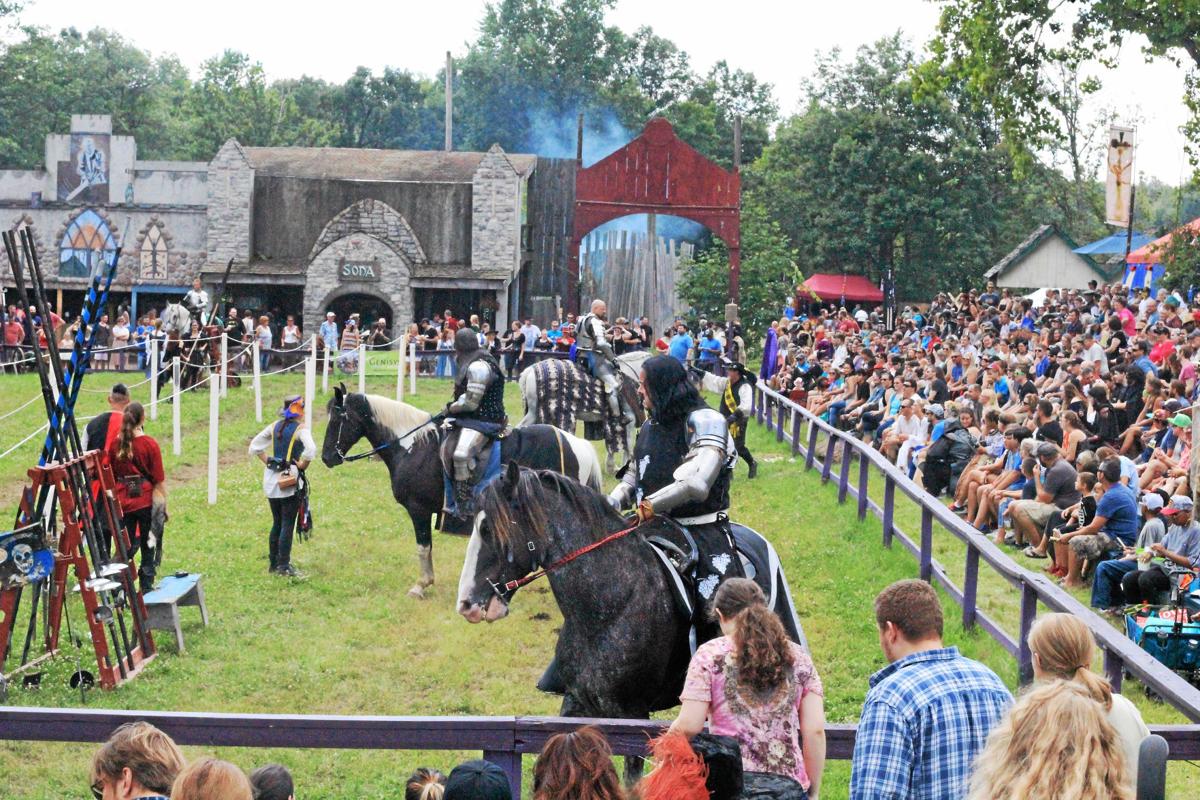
x=1045, y=260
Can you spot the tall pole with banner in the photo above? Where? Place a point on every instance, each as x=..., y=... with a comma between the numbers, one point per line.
x=1119, y=189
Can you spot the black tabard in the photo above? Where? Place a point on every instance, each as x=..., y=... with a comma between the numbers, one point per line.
x=659, y=452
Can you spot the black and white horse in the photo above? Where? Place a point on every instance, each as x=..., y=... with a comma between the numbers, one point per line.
x=624, y=647
x=558, y=392
x=409, y=447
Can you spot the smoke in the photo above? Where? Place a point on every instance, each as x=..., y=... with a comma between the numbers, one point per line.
x=667, y=227
x=554, y=136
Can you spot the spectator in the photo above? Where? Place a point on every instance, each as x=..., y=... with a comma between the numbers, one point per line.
x=211, y=779
x=1114, y=527
x=681, y=343
x=477, y=780
x=1177, y=554
x=290, y=338
x=1063, y=649
x=446, y=367
x=285, y=448
x=120, y=341
x=273, y=782
x=1080, y=758
x=928, y=713
x=329, y=333
x=1106, y=587
x=348, y=358
x=576, y=766
x=708, y=351
x=770, y=701
x=102, y=343
x=531, y=334
x=137, y=761
x=425, y=784
x=137, y=467
x=1054, y=481
x=264, y=337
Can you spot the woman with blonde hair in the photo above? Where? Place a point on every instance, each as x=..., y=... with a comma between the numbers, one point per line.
x=211, y=779
x=1054, y=743
x=1063, y=649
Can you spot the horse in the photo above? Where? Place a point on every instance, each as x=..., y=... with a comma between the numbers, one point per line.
x=623, y=650
x=408, y=443
x=558, y=392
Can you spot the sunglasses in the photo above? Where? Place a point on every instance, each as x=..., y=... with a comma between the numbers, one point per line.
x=98, y=790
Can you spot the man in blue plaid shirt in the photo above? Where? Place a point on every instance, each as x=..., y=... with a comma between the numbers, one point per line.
x=928, y=713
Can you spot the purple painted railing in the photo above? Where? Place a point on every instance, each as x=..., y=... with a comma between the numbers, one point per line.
x=1120, y=654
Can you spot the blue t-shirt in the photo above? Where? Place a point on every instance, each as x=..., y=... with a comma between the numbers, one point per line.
x=1118, y=506
x=710, y=348
x=679, y=347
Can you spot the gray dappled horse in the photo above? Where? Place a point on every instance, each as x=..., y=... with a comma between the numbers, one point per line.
x=558, y=392
x=410, y=449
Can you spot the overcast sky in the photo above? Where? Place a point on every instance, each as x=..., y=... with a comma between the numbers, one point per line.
x=775, y=40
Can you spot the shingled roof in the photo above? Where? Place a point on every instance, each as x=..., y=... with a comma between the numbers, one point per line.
x=1018, y=253
x=349, y=163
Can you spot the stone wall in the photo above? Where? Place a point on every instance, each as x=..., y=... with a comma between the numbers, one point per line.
x=230, y=205
x=326, y=281
x=495, y=214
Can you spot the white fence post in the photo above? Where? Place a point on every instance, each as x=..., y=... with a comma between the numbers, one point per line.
x=310, y=388
x=362, y=368
x=400, y=368
x=214, y=404
x=313, y=354
x=224, y=364
x=412, y=368
x=257, y=382
x=153, y=378
x=325, y=370
x=176, y=432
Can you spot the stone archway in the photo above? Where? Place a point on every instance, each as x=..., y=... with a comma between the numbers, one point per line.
x=358, y=264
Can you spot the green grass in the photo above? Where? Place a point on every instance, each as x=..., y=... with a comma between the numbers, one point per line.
x=348, y=641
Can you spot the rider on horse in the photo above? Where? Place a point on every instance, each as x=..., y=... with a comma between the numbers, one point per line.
x=196, y=302
x=476, y=416
x=597, y=353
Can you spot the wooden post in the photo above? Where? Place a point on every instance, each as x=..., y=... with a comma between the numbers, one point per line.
x=400, y=358
x=313, y=356
x=362, y=369
x=257, y=382
x=224, y=365
x=214, y=398
x=795, y=433
x=1114, y=669
x=325, y=370
x=1028, y=614
x=176, y=434
x=844, y=478
x=449, y=102
x=889, y=509
x=970, y=589
x=926, y=543
x=412, y=368
x=864, y=476
x=310, y=388
x=153, y=378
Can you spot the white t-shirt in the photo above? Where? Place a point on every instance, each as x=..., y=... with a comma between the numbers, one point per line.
x=1131, y=730
x=262, y=444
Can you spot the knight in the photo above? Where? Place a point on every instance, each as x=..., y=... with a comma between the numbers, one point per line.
x=473, y=420
x=196, y=301
x=596, y=352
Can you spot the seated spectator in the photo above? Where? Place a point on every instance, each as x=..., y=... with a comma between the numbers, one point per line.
x=425, y=783
x=137, y=761
x=272, y=782
x=1080, y=759
x=1054, y=481
x=1107, y=593
x=1069, y=520
x=1063, y=649
x=211, y=779
x=755, y=684
x=576, y=766
x=1177, y=554
x=1113, y=528
x=477, y=780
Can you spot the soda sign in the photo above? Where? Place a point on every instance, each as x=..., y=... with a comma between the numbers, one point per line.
x=359, y=271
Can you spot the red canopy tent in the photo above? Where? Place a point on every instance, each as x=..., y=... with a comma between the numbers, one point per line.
x=1151, y=253
x=836, y=288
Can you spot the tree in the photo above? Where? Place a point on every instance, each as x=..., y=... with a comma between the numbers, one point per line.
x=1004, y=51
x=395, y=109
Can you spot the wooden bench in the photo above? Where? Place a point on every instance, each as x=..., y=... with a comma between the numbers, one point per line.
x=162, y=604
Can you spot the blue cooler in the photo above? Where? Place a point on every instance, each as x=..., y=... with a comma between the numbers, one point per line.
x=1166, y=635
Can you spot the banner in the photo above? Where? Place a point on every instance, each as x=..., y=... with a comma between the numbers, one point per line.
x=1119, y=175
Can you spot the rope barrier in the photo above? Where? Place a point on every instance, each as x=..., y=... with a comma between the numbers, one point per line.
x=23, y=405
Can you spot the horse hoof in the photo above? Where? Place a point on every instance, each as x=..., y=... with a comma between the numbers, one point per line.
x=417, y=592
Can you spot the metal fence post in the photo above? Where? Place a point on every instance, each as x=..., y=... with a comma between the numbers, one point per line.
x=926, y=543
x=864, y=475
x=970, y=588
x=1024, y=654
x=889, y=509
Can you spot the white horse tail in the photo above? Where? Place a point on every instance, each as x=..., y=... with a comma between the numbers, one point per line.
x=527, y=381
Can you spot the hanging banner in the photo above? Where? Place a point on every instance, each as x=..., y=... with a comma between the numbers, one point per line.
x=1119, y=175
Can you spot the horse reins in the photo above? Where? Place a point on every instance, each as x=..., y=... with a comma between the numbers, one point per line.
x=568, y=558
x=346, y=459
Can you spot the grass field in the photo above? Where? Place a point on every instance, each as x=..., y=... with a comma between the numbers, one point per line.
x=348, y=641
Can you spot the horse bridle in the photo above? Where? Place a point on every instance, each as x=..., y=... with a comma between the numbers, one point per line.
x=337, y=442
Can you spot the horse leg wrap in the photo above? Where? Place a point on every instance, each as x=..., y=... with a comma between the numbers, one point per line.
x=425, y=556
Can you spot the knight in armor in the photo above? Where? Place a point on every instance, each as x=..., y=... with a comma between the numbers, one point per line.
x=594, y=349
x=474, y=418
x=196, y=301
x=737, y=402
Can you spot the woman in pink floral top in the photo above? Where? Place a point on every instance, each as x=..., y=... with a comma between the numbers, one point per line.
x=757, y=685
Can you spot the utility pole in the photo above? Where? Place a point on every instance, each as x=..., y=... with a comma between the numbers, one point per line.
x=449, y=102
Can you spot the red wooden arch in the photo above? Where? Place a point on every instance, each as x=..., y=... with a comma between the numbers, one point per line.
x=657, y=173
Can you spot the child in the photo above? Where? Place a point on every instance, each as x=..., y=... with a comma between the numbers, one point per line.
x=1077, y=516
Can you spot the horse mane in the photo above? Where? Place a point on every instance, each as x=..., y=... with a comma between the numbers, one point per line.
x=527, y=514
x=400, y=418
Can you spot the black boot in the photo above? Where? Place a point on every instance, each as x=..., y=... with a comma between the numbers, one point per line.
x=753, y=469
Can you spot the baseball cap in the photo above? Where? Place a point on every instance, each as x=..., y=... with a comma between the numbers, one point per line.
x=1182, y=420
x=1152, y=501
x=1047, y=449
x=1179, y=502
x=477, y=780
x=937, y=409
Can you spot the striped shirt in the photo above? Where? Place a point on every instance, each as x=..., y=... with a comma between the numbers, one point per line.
x=925, y=719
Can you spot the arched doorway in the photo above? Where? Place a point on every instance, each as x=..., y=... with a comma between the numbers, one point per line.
x=368, y=307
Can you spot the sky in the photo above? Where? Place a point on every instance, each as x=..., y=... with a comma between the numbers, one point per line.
x=778, y=41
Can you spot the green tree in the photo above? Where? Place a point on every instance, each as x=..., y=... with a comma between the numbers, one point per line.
x=392, y=110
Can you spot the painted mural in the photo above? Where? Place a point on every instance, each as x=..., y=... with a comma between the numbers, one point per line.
x=87, y=244
x=84, y=179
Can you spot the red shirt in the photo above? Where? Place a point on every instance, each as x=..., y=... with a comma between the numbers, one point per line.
x=1160, y=351
x=147, y=461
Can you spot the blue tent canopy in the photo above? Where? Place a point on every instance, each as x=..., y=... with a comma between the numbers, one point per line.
x=1113, y=244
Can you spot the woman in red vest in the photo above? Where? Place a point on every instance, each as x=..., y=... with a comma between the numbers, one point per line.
x=141, y=490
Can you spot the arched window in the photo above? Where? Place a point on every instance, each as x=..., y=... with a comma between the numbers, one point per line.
x=87, y=245
x=154, y=253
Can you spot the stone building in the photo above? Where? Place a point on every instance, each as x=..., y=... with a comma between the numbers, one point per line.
x=388, y=233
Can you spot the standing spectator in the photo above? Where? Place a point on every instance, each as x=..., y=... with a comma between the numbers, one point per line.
x=348, y=358
x=380, y=337
x=137, y=761
x=708, y=351
x=102, y=344
x=477, y=780
x=1063, y=649
x=290, y=340
x=285, y=448
x=425, y=784
x=928, y=713
x=429, y=343
x=272, y=782
x=446, y=367
x=1055, y=743
x=576, y=766
x=142, y=338
x=329, y=335
x=531, y=334
x=263, y=335
x=120, y=341
x=450, y=322
x=137, y=466
x=14, y=334
x=681, y=344
x=211, y=779
x=760, y=687
x=512, y=344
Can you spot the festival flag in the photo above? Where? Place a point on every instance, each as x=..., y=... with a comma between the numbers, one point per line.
x=1119, y=175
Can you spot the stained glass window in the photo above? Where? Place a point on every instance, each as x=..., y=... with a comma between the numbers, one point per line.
x=86, y=246
x=154, y=253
